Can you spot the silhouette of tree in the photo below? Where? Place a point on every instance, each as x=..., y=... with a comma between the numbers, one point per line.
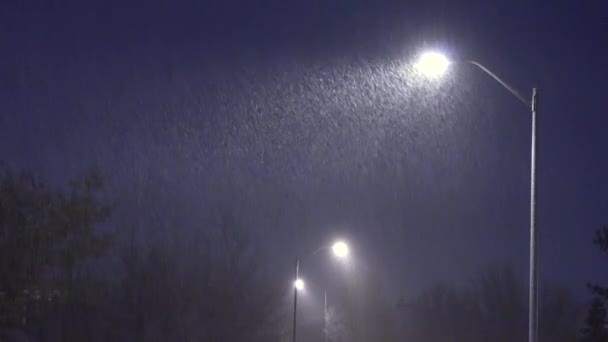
x=493, y=308
x=206, y=288
x=601, y=240
x=26, y=244
x=595, y=323
x=44, y=237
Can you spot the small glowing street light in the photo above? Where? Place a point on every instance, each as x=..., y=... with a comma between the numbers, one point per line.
x=340, y=249
x=432, y=64
x=299, y=284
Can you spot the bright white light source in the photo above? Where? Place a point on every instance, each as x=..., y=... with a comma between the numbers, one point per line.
x=340, y=249
x=299, y=284
x=432, y=64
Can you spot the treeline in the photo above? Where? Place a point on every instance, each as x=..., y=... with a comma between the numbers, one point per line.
x=70, y=270
x=596, y=322
x=494, y=307
x=46, y=237
x=69, y=273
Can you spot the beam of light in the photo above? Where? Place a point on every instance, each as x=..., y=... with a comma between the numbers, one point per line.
x=299, y=284
x=340, y=249
x=432, y=64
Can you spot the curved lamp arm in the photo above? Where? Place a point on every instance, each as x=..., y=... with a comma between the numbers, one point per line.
x=512, y=90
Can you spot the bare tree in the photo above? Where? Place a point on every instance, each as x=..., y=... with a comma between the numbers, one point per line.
x=492, y=308
x=207, y=288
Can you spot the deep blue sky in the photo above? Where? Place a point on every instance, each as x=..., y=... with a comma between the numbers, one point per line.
x=300, y=115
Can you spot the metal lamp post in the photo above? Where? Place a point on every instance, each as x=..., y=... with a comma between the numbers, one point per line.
x=433, y=65
x=340, y=250
x=325, y=316
x=295, y=297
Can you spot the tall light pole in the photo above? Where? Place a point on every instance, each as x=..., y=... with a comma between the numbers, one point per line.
x=433, y=65
x=341, y=251
x=325, y=316
x=298, y=285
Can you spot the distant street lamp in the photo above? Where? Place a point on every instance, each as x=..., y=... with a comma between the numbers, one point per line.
x=434, y=65
x=340, y=250
x=299, y=284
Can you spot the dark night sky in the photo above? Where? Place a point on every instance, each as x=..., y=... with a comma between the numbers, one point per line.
x=301, y=115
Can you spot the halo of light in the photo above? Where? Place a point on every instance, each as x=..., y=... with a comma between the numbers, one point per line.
x=340, y=249
x=432, y=64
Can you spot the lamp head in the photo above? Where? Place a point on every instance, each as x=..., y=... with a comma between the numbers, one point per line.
x=299, y=284
x=432, y=64
x=340, y=249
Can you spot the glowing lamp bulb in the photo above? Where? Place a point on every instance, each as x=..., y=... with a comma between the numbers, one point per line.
x=432, y=64
x=340, y=249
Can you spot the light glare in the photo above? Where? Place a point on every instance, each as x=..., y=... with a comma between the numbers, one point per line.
x=340, y=249
x=299, y=284
x=432, y=64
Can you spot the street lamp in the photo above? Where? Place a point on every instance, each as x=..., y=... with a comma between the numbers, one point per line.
x=340, y=250
x=433, y=65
